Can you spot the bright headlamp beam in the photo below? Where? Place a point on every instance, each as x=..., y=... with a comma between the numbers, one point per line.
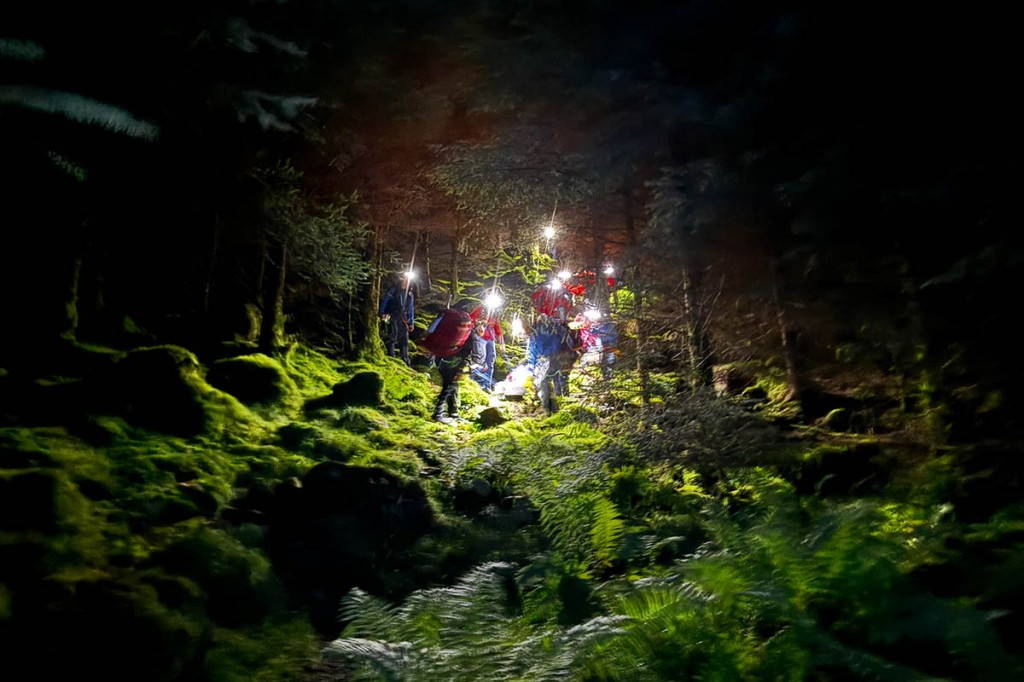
x=493, y=300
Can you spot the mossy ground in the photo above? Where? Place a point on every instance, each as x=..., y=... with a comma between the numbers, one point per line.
x=131, y=526
x=120, y=493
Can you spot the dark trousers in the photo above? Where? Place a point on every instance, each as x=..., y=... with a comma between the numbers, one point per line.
x=450, y=370
x=485, y=375
x=398, y=339
x=553, y=380
x=489, y=363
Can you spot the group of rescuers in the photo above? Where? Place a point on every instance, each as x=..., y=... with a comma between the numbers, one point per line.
x=557, y=338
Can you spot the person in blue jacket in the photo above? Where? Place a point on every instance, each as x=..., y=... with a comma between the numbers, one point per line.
x=549, y=358
x=397, y=310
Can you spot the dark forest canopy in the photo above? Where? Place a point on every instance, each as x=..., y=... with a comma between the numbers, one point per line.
x=814, y=193
x=226, y=167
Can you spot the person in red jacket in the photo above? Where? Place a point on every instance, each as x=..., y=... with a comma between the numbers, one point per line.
x=494, y=339
x=553, y=300
x=451, y=370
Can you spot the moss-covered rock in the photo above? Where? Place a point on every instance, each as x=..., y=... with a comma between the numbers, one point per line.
x=162, y=388
x=339, y=527
x=322, y=442
x=491, y=416
x=365, y=388
x=732, y=378
x=238, y=582
x=254, y=379
x=151, y=387
x=362, y=420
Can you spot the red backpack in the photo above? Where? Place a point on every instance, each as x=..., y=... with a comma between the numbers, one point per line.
x=447, y=333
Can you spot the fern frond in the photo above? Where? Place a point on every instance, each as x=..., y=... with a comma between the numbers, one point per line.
x=558, y=655
x=78, y=108
x=367, y=615
x=652, y=600
x=272, y=112
x=24, y=50
x=466, y=633
x=606, y=530
x=391, y=661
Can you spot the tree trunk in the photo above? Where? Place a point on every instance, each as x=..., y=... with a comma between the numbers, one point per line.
x=692, y=352
x=454, y=290
x=427, y=286
x=695, y=345
x=787, y=336
x=641, y=342
x=254, y=310
x=71, y=305
x=639, y=302
x=371, y=346
x=273, y=288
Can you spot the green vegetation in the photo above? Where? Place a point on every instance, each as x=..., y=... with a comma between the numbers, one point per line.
x=215, y=518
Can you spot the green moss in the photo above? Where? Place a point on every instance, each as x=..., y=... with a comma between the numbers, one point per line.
x=40, y=501
x=226, y=417
x=277, y=650
x=267, y=463
x=162, y=388
x=471, y=397
x=313, y=372
x=412, y=390
x=298, y=435
x=770, y=382
x=239, y=583
x=362, y=420
x=398, y=462
x=53, y=446
x=50, y=502
x=321, y=441
x=255, y=379
x=342, y=446
x=406, y=391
